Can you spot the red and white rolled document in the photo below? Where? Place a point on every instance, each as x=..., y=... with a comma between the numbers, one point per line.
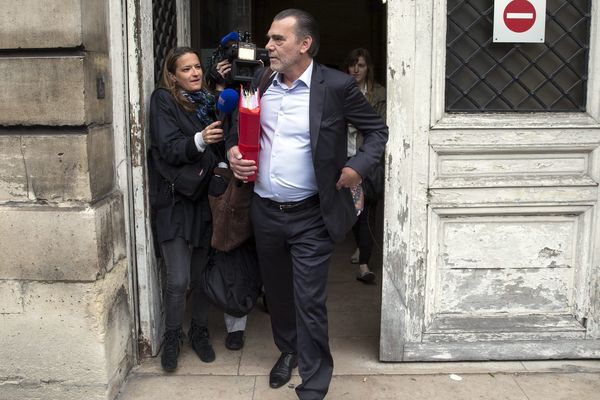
x=249, y=126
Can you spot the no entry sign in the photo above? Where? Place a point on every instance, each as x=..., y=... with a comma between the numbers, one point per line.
x=519, y=16
x=519, y=21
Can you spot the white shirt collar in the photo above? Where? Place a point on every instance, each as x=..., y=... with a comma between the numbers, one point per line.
x=305, y=77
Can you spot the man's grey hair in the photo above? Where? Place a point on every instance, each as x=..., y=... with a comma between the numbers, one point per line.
x=306, y=25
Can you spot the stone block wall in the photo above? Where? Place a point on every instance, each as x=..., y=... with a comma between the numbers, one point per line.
x=65, y=309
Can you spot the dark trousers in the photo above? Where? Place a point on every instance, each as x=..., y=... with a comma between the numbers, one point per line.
x=294, y=252
x=364, y=230
x=184, y=266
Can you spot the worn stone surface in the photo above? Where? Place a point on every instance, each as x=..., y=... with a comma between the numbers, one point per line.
x=50, y=390
x=76, y=165
x=34, y=244
x=65, y=315
x=40, y=24
x=71, y=337
x=97, y=109
x=110, y=231
x=55, y=243
x=11, y=297
x=114, y=322
x=94, y=25
x=57, y=167
x=55, y=97
x=100, y=153
x=13, y=172
x=560, y=386
x=34, y=24
x=190, y=387
x=65, y=94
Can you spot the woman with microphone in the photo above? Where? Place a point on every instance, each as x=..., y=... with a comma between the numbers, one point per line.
x=184, y=129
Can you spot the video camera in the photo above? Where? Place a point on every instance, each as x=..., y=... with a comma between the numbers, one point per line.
x=243, y=55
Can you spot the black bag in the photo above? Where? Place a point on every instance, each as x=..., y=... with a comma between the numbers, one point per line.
x=373, y=184
x=190, y=180
x=232, y=279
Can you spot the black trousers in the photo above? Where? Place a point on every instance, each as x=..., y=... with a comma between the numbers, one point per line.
x=363, y=231
x=184, y=263
x=294, y=252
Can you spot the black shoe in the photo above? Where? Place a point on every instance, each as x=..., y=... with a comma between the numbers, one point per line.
x=199, y=340
x=366, y=277
x=282, y=370
x=235, y=340
x=171, y=346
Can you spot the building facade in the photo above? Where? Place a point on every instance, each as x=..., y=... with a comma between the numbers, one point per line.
x=66, y=315
x=491, y=233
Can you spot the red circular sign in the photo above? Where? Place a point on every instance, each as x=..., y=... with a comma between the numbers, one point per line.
x=519, y=15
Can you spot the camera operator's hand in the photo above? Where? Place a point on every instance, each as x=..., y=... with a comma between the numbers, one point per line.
x=241, y=168
x=223, y=68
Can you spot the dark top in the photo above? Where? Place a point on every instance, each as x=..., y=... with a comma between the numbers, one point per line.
x=172, y=131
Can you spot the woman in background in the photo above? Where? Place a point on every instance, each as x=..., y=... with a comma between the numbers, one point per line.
x=359, y=64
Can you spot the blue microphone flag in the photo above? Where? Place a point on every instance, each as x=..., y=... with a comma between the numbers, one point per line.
x=228, y=101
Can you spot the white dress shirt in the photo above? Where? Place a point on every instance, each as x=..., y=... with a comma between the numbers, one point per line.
x=285, y=166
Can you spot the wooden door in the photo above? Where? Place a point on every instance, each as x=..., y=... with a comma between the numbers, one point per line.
x=491, y=221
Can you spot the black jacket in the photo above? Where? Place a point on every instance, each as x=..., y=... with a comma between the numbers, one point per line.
x=172, y=131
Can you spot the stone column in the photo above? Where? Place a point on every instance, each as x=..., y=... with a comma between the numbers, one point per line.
x=66, y=325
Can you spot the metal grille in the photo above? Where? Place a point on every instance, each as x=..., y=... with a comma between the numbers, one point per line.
x=483, y=76
x=164, y=17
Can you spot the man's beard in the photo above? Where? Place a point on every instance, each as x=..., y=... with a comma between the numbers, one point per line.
x=282, y=65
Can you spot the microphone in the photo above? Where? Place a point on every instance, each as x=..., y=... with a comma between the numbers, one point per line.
x=230, y=37
x=227, y=102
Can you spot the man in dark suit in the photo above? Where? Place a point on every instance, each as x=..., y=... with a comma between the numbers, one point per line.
x=302, y=202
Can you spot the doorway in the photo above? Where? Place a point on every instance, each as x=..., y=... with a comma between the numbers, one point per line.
x=354, y=307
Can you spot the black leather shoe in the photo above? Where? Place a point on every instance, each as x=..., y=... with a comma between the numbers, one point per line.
x=282, y=370
x=235, y=340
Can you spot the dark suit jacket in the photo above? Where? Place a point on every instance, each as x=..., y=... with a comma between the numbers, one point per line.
x=336, y=100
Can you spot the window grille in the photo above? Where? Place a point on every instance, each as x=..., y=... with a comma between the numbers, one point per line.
x=482, y=76
x=164, y=17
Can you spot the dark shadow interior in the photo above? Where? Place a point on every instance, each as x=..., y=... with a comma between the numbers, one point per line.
x=344, y=25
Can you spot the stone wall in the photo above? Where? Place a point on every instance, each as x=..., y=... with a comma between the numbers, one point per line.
x=64, y=301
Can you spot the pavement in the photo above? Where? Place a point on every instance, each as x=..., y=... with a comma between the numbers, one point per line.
x=354, y=316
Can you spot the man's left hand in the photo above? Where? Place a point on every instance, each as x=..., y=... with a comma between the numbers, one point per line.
x=348, y=178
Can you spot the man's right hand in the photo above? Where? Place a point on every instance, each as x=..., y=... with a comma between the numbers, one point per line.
x=241, y=168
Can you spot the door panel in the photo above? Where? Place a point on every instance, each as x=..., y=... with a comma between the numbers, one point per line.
x=492, y=223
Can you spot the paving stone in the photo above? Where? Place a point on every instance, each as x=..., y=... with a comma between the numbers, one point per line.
x=471, y=387
x=149, y=387
x=581, y=386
